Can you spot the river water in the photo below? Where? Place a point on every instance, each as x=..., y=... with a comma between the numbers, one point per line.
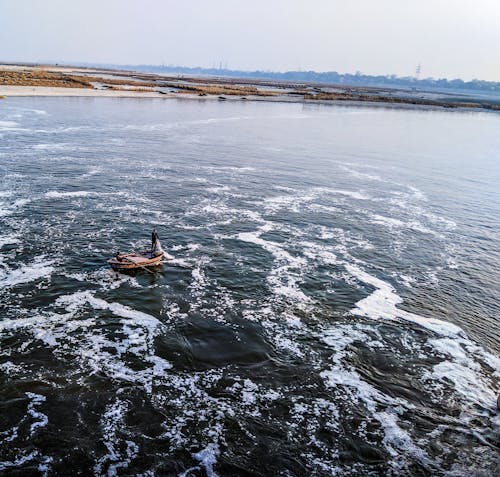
x=331, y=308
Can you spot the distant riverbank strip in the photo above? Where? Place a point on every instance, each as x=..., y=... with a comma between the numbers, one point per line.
x=23, y=80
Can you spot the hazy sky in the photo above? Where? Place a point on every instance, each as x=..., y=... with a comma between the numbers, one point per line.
x=450, y=38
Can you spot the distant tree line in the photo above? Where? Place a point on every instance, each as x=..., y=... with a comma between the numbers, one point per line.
x=330, y=77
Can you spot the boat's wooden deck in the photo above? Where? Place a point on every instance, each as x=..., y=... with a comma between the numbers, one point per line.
x=137, y=258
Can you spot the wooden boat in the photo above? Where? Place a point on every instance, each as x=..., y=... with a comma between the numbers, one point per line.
x=129, y=261
x=149, y=258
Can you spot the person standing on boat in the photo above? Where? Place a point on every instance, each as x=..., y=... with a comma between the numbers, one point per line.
x=155, y=244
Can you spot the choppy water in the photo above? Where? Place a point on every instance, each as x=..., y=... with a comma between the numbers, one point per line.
x=332, y=308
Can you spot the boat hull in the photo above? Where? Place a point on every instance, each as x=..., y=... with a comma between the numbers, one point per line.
x=132, y=261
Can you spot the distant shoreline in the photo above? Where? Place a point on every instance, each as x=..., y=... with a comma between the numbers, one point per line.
x=56, y=81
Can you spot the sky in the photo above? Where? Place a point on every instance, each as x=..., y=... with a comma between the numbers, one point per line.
x=449, y=38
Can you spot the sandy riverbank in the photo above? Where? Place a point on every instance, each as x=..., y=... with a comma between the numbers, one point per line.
x=8, y=91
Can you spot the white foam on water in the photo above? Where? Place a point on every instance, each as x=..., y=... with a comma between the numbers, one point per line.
x=293, y=203
x=53, y=194
x=76, y=300
x=41, y=420
x=406, y=280
x=20, y=112
x=384, y=408
x=274, y=248
x=222, y=213
x=106, y=278
x=305, y=200
x=125, y=312
x=39, y=268
x=20, y=203
x=10, y=368
x=310, y=418
x=11, y=435
x=200, y=280
x=330, y=209
x=52, y=146
x=389, y=221
x=408, y=206
x=350, y=193
x=218, y=189
x=319, y=253
x=417, y=193
x=90, y=345
x=9, y=240
x=394, y=223
x=234, y=168
x=284, y=278
x=462, y=368
x=93, y=171
x=271, y=395
x=23, y=459
x=398, y=442
x=9, y=208
x=466, y=381
x=192, y=401
x=62, y=130
x=283, y=329
x=11, y=126
x=217, y=209
x=207, y=458
x=363, y=175
x=382, y=304
x=140, y=330
x=249, y=393
x=8, y=124
x=178, y=262
x=112, y=422
x=480, y=353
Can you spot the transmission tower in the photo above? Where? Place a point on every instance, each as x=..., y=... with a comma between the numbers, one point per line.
x=417, y=71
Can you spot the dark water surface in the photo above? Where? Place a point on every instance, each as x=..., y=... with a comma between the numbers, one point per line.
x=332, y=308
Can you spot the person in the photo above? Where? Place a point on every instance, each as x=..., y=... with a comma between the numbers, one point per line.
x=155, y=244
